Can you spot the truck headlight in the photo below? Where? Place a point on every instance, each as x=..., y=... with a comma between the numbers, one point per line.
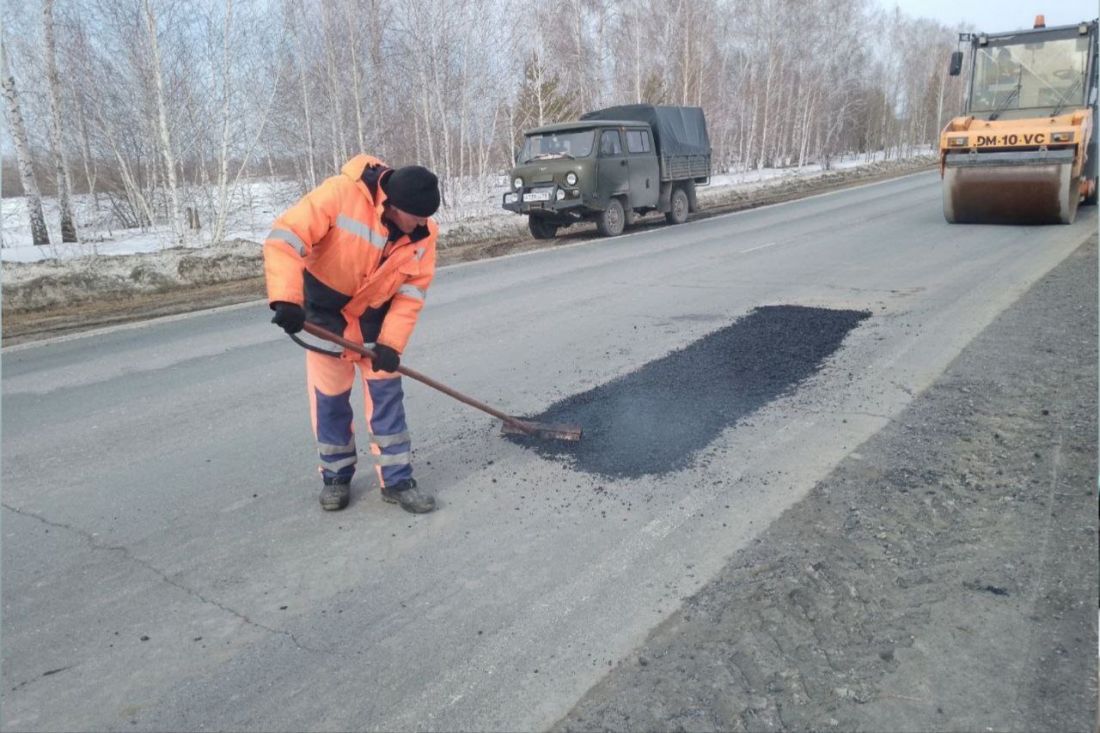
x=1061, y=137
x=957, y=142
x=559, y=195
x=511, y=198
x=517, y=183
x=571, y=179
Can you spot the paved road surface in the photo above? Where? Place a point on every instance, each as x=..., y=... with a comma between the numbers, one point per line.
x=166, y=565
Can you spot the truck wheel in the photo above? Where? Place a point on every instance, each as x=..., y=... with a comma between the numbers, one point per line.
x=678, y=214
x=541, y=228
x=611, y=220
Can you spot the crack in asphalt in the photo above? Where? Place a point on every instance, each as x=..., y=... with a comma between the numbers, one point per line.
x=903, y=388
x=128, y=555
x=47, y=673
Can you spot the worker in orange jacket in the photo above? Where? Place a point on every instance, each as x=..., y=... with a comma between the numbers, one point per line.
x=356, y=256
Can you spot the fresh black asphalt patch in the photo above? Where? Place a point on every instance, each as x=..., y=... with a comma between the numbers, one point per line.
x=654, y=420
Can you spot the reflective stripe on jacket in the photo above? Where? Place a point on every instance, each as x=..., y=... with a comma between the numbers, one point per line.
x=331, y=253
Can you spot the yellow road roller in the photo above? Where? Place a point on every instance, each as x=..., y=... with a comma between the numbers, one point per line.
x=1024, y=151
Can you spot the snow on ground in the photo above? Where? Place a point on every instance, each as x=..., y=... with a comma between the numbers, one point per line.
x=110, y=259
x=251, y=210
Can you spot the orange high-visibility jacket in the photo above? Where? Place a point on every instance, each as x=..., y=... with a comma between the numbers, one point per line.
x=332, y=254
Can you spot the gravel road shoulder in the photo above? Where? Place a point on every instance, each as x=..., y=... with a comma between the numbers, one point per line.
x=942, y=578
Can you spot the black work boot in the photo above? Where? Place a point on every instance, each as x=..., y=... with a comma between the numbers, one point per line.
x=335, y=495
x=409, y=496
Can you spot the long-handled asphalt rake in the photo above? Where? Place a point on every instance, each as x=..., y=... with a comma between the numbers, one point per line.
x=512, y=425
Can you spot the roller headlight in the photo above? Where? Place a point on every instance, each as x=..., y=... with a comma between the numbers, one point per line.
x=571, y=179
x=517, y=183
x=957, y=142
x=1061, y=137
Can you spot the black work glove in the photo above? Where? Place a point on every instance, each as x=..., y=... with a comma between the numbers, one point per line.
x=288, y=316
x=385, y=358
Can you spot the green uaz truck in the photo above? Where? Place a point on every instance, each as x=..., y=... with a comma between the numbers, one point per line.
x=610, y=167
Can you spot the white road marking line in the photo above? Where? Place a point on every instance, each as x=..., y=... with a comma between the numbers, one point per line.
x=763, y=246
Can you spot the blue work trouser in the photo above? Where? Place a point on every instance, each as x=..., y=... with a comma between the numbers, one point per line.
x=330, y=380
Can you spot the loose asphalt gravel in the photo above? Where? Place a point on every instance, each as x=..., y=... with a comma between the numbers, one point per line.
x=657, y=419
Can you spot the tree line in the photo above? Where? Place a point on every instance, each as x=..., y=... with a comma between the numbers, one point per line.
x=161, y=110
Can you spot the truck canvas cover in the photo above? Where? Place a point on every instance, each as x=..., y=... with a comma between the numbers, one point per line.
x=676, y=130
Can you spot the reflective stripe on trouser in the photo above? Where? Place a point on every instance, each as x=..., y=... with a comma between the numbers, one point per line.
x=389, y=435
x=329, y=381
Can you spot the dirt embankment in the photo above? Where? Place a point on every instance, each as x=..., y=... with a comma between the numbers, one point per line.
x=69, y=297
x=942, y=578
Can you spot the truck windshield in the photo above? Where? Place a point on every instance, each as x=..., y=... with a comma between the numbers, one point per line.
x=1039, y=75
x=565, y=144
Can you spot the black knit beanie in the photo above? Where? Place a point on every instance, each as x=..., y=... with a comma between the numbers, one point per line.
x=414, y=189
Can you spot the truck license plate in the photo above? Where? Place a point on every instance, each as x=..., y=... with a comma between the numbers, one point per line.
x=537, y=196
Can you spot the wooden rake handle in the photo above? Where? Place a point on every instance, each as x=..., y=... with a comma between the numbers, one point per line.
x=413, y=374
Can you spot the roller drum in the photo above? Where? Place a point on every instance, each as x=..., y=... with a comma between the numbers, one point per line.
x=1028, y=187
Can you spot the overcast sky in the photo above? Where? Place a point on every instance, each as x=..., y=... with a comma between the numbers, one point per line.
x=1001, y=15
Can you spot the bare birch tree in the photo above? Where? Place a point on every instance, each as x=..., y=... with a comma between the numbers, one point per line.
x=292, y=8
x=39, y=234
x=175, y=215
x=61, y=163
x=237, y=114
x=81, y=60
